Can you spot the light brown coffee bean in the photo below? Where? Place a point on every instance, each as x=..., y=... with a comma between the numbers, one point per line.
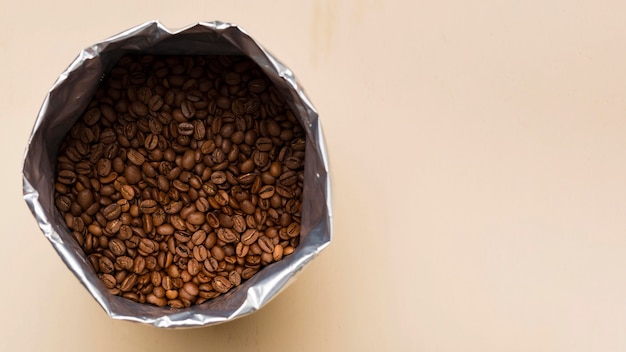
x=196, y=218
x=117, y=246
x=266, y=192
x=293, y=229
x=128, y=283
x=127, y=192
x=221, y=284
x=108, y=280
x=266, y=244
x=227, y=235
x=277, y=254
x=113, y=211
x=148, y=206
x=113, y=226
x=147, y=245
x=249, y=237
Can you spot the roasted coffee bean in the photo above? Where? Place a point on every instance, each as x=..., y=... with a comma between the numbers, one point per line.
x=293, y=229
x=66, y=177
x=147, y=245
x=249, y=237
x=117, y=246
x=221, y=284
x=227, y=235
x=266, y=244
x=135, y=157
x=112, y=211
x=148, y=206
x=127, y=192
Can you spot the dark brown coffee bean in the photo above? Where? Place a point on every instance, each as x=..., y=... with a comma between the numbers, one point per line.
x=92, y=116
x=66, y=177
x=185, y=128
x=202, y=204
x=151, y=142
x=84, y=198
x=135, y=157
x=155, y=103
x=264, y=144
x=187, y=109
x=284, y=192
x=293, y=163
x=139, y=108
x=132, y=173
x=257, y=85
x=288, y=178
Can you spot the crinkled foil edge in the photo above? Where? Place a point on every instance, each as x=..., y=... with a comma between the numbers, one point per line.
x=69, y=96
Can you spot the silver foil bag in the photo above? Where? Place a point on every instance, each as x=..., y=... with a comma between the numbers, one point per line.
x=67, y=100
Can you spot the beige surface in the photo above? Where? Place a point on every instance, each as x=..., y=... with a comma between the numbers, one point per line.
x=478, y=156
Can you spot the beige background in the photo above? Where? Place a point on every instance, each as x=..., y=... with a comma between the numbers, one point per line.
x=478, y=156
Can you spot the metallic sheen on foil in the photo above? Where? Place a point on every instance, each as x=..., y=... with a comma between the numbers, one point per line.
x=68, y=98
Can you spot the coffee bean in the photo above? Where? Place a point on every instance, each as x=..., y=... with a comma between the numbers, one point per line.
x=135, y=157
x=132, y=174
x=128, y=283
x=227, y=235
x=257, y=85
x=127, y=192
x=266, y=192
x=221, y=284
x=148, y=206
x=108, y=280
x=266, y=244
x=112, y=211
x=147, y=245
x=277, y=254
x=293, y=229
x=117, y=246
x=92, y=116
x=249, y=237
x=66, y=177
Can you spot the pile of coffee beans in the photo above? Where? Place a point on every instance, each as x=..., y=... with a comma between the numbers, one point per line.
x=183, y=177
